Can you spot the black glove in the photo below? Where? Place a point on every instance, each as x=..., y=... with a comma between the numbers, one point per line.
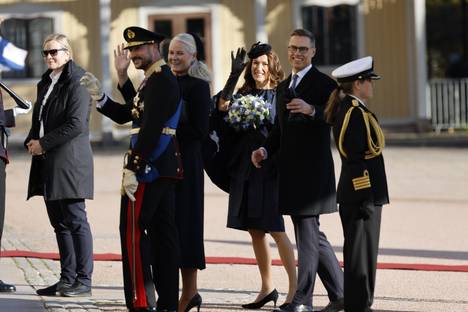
x=366, y=209
x=237, y=66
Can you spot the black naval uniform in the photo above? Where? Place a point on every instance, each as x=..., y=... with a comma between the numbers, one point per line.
x=362, y=190
x=154, y=157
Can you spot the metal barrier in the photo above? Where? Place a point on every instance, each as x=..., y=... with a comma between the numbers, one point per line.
x=448, y=103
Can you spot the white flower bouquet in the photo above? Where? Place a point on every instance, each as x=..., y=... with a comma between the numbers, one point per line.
x=248, y=112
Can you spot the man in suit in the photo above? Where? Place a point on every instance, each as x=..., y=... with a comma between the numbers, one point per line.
x=149, y=237
x=306, y=173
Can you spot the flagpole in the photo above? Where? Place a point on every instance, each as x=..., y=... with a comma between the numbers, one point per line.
x=22, y=103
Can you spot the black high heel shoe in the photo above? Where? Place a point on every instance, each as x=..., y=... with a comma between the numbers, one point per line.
x=273, y=296
x=196, y=301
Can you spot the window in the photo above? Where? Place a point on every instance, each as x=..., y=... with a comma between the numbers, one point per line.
x=198, y=23
x=28, y=34
x=447, y=46
x=335, y=32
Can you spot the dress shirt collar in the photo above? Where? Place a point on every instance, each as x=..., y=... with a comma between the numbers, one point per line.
x=55, y=76
x=359, y=100
x=300, y=74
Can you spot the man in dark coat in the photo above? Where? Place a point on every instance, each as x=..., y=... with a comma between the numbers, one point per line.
x=306, y=172
x=149, y=237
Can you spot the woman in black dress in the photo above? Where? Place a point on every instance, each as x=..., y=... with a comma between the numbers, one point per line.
x=253, y=203
x=362, y=188
x=185, y=53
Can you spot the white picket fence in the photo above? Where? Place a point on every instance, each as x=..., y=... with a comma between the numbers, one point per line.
x=448, y=103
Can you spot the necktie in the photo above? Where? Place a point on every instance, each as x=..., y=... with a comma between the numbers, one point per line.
x=294, y=82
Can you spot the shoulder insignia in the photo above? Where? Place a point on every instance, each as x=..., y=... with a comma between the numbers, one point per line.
x=355, y=103
x=155, y=68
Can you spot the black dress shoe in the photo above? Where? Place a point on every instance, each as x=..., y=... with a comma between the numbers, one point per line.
x=6, y=287
x=295, y=308
x=284, y=305
x=273, y=296
x=196, y=301
x=53, y=290
x=335, y=306
x=78, y=289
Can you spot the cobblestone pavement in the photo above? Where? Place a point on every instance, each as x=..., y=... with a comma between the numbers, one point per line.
x=424, y=224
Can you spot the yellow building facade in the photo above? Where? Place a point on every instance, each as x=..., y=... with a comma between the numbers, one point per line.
x=390, y=30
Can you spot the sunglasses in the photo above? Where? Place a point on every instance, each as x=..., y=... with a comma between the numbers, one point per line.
x=52, y=52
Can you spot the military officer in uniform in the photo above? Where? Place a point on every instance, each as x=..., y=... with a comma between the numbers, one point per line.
x=362, y=188
x=148, y=232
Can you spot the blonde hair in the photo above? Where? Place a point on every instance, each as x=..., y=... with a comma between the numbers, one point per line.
x=197, y=69
x=62, y=40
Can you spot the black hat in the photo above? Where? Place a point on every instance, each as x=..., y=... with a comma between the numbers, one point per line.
x=258, y=49
x=359, y=69
x=136, y=36
x=199, y=46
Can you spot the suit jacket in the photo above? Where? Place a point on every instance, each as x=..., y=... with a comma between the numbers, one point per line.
x=160, y=96
x=65, y=171
x=306, y=171
x=354, y=164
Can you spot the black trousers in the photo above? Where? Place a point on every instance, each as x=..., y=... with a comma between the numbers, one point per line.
x=315, y=255
x=361, y=244
x=2, y=197
x=74, y=239
x=150, y=247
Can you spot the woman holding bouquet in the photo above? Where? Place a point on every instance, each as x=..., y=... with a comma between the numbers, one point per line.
x=247, y=118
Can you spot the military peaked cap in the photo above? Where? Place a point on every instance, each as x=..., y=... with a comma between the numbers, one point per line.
x=359, y=69
x=136, y=36
x=258, y=49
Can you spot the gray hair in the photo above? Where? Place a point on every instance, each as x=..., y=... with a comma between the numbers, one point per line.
x=197, y=69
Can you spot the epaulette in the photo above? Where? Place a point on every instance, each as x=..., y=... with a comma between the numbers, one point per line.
x=374, y=148
x=155, y=68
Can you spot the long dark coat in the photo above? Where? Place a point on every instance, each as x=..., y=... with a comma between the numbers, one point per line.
x=65, y=170
x=191, y=131
x=253, y=193
x=306, y=171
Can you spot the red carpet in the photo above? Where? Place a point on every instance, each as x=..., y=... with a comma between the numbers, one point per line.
x=239, y=260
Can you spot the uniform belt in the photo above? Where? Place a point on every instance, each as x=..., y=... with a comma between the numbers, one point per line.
x=165, y=130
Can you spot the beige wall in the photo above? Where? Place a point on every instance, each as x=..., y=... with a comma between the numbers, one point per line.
x=279, y=25
x=385, y=25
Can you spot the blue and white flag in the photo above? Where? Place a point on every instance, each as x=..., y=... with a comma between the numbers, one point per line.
x=11, y=57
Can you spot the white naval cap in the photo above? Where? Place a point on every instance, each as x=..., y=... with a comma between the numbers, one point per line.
x=362, y=68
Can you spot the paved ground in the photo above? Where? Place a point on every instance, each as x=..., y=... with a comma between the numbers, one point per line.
x=424, y=224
